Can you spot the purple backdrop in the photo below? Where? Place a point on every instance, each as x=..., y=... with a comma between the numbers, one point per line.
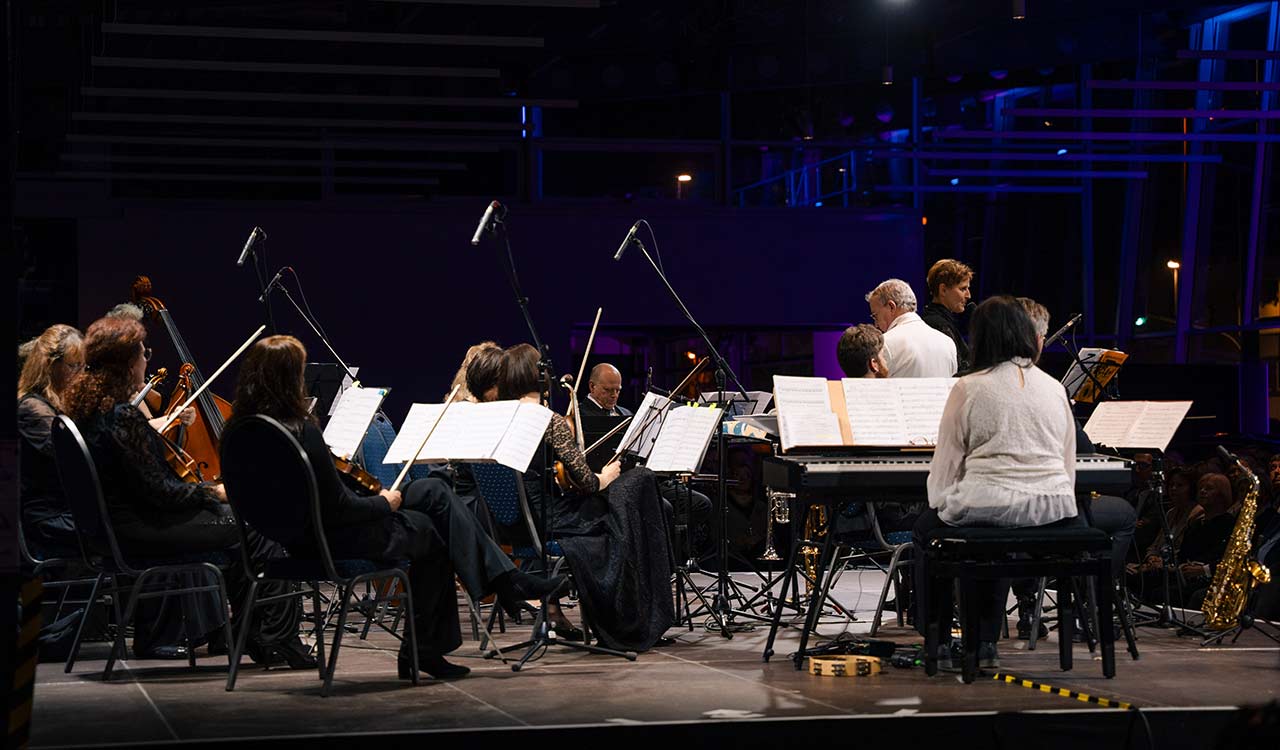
x=402, y=292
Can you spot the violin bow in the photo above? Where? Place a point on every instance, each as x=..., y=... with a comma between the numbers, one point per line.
x=573, y=403
x=174, y=414
x=439, y=418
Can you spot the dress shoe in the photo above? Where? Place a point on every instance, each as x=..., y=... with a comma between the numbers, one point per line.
x=162, y=652
x=1024, y=630
x=568, y=632
x=294, y=653
x=433, y=664
x=517, y=586
x=949, y=657
x=664, y=641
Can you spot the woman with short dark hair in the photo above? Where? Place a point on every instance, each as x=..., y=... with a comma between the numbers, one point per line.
x=1005, y=455
x=612, y=528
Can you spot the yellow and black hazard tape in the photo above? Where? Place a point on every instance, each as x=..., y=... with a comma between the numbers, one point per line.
x=1084, y=697
x=25, y=656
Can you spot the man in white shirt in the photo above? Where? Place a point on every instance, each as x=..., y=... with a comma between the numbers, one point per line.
x=912, y=348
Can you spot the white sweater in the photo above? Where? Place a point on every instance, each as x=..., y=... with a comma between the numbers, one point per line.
x=1006, y=450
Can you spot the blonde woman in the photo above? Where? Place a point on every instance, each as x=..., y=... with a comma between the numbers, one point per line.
x=55, y=358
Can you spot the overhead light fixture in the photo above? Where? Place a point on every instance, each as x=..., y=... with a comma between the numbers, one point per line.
x=684, y=178
x=1062, y=152
x=886, y=75
x=955, y=181
x=1019, y=10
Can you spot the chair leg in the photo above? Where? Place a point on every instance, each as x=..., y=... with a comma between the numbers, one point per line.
x=1037, y=613
x=1066, y=624
x=88, y=609
x=1106, y=623
x=237, y=649
x=410, y=628
x=1121, y=606
x=344, y=595
x=972, y=619
x=884, y=592
x=319, y=631
x=121, y=622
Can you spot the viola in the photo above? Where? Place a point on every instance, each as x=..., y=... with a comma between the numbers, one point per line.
x=563, y=479
x=184, y=466
x=355, y=473
x=202, y=437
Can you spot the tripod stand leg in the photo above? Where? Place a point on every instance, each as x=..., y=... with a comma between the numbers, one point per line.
x=819, y=594
x=788, y=581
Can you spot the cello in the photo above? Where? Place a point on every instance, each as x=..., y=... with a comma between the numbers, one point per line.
x=202, y=437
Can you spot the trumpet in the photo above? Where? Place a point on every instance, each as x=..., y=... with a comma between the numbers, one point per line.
x=779, y=512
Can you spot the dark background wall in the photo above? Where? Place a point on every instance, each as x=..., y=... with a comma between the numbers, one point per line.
x=402, y=293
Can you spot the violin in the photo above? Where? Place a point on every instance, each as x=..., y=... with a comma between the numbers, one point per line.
x=202, y=437
x=563, y=479
x=352, y=471
x=184, y=466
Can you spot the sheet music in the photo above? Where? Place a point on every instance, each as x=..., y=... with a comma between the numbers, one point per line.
x=415, y=427
x=468, y=432
x=523, y=436
x=347, y=383
x=757, y=401
x=1102, y=362
x=1136, y=424
x=643, y=420
x=895, y=412
x=350, y=419
x=809, y=429
x=684, y=438
x=800, y=394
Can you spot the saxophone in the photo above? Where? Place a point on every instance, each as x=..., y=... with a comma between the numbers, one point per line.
x=1235, y=575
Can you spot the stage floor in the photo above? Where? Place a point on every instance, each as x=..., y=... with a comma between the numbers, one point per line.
x=702, y=678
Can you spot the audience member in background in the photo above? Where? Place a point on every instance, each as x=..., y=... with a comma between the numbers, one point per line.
x=912, y=349
x=1205, y=540
x=55, y=359
x=861, y=352
x=948, y=281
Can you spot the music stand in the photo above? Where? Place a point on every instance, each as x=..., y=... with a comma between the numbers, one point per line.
x=324, y=381
x=1093, y=370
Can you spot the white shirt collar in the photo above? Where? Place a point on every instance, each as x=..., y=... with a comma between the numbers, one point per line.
x=592, y=399
x=903, y=319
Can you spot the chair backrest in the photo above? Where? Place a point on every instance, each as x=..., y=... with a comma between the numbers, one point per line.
x=271, y=484
x=80, y=483
x=503, y=491
x=374, y=446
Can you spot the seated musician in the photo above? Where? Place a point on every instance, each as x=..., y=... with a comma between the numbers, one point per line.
x=1005, y=456
x=604, y=386
x=130, y=311
x=948, y=282
x=1114, y=515
x=55, y=358
x=425, y=523
x=460, y=377
x=861, y=352
x=912, y=349
x=613, y=531
x=153, y=511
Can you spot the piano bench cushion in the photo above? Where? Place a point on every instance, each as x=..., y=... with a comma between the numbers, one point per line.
x=998, y=543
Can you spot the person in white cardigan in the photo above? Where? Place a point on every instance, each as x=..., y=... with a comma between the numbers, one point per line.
x=1005, y=455
x=912, y=347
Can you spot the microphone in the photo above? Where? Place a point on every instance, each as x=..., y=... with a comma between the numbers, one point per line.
x=262, y=297
x=631, y=235
x=648, y=379
x=1061, y=331
x=969, y=307
x=485, y=222
x=254, y=236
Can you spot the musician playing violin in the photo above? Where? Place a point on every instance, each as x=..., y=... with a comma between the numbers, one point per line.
x=130, y=311
x=613, y=529
x=153, y=511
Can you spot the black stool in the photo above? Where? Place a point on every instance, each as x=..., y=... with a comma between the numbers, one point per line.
x=970, y=554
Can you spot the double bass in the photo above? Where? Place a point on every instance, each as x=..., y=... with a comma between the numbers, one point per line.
x=201, y=438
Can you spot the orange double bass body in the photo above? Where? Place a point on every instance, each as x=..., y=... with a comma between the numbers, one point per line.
x=200, y=439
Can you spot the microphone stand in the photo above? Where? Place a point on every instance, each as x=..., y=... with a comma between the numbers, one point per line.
x=542, y=635
x=720, y=609
x=314, y=328
x=260, y=270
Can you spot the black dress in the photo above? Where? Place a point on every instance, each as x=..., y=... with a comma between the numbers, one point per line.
x=155, y=514
x=47, y=524
x=433, y=530
x=616, y=542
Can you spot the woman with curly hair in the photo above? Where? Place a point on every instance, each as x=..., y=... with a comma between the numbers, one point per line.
x=154, y=513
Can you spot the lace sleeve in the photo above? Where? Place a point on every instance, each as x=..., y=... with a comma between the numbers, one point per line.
x=150, y=479
x=566, y=450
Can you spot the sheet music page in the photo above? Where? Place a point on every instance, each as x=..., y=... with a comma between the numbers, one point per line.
x=471, y=432
x=684, y=438
x=350, y=420
x=416, y=423
x=923, y=400
x=805, y=417
x=643, y=421
x=875, y=411
x=1136, y=424
x=523, y=436
x=347, y=383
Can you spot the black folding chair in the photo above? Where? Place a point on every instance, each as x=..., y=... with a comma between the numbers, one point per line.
x=102, y=554
x=271, y=485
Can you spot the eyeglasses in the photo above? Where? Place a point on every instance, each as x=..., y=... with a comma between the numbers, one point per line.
x=146, y=354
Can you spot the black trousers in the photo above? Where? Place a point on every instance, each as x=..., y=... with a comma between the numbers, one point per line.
x=160, y=622
x=991, y=595
x=1117, y=518
x=439, y=536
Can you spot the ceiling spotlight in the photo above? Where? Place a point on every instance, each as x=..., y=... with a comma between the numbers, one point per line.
x=1019, y=10
x=684, y=178
x=886, y=75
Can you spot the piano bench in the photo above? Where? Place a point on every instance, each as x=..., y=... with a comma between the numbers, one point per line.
x=970, y=554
